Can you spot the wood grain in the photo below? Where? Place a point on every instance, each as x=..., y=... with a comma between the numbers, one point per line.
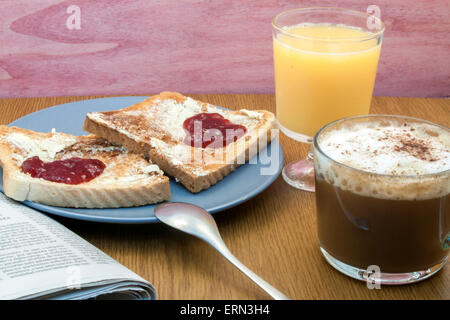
x=137, y=46
x=274, y=234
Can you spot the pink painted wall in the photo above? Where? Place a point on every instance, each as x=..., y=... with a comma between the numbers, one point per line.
x=196, y=46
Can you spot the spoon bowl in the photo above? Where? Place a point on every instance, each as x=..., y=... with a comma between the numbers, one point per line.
x=196, y=221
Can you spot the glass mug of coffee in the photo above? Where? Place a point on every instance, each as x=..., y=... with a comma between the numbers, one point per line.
x=383, y=197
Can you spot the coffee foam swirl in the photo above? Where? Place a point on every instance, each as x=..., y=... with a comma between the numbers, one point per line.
x=396, y=159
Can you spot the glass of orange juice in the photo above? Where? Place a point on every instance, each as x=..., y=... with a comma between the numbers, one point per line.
x=325, y=62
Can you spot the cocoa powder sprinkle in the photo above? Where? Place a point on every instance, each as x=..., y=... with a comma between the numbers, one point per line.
x=415, y=147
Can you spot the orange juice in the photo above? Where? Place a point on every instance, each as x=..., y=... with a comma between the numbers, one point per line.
x=323, y=72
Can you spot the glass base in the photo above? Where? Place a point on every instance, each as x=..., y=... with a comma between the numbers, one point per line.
x=300, y=175
x=381, y=278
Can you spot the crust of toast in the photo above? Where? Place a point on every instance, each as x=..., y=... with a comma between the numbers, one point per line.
x=149, y=129
x=125, y=182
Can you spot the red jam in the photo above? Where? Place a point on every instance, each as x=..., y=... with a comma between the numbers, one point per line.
x=211, y=130
x=69, y=171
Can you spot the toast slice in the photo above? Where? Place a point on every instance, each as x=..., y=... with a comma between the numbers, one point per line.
x=127, y=180
x=154, y=128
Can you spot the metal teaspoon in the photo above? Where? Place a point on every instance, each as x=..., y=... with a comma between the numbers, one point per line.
x=199, y=223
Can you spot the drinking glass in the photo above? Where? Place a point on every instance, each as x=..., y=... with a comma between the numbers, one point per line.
x=385, y=227
x=325, y=62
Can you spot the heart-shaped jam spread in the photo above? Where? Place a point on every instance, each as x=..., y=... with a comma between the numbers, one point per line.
x=211, y=130
x=68, y=171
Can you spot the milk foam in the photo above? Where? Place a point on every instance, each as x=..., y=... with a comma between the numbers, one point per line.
x=401, y=159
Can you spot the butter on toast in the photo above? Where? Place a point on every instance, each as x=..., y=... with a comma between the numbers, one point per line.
x=127, y=180
x=154, y=128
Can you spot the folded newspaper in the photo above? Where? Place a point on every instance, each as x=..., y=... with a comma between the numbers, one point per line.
x=41, y=259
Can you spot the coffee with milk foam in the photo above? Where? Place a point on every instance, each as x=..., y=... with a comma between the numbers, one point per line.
x=395, y=159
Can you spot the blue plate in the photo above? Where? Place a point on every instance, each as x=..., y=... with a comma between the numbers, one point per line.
x=241, y=185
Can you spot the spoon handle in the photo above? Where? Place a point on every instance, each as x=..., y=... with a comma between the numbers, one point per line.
x=220, y=246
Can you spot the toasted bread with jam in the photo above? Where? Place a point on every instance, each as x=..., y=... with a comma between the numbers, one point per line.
x=127, y=179
x=156, y=128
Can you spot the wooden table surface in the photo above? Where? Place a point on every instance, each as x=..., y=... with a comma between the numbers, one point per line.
x=274, y=234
